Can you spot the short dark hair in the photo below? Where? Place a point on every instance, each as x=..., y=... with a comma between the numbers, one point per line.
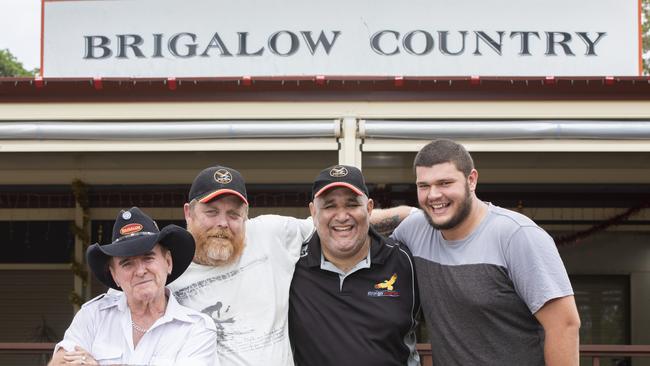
x=444, y=151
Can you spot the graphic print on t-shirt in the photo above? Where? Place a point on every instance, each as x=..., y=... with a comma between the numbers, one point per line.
x=234, y=310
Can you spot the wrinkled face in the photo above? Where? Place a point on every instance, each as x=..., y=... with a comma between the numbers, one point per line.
x=142, y=277
x=218, y=228
x=342, y=220
x=445, y=194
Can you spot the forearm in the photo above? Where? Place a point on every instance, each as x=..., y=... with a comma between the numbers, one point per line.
x=561, y=323
x=57, y=358
x=386, y=220
x=561, y=346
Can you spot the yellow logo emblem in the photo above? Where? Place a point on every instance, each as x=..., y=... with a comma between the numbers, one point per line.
x=388, y=284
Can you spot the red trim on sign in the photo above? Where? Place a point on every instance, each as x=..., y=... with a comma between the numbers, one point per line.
x=97, y=83
x=40, y=72
x=171, y=83
x=398, y=81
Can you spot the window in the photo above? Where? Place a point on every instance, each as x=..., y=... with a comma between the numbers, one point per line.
x=37, y=241
x=604, y=305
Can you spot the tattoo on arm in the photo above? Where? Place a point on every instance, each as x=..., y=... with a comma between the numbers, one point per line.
x=386, y=226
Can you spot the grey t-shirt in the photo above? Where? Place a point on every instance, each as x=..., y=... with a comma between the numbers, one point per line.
x=479, y=294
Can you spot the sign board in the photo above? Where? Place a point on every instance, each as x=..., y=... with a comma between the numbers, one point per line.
x=217, y=38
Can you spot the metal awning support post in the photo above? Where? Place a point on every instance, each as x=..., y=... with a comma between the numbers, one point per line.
x=350, y=144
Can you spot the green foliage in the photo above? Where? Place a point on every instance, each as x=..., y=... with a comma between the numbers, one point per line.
x=10, y=66
x=645, y=29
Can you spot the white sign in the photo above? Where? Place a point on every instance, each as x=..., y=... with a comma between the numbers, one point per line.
x=216, y=38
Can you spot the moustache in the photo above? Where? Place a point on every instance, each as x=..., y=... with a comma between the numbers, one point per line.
x=220, y=234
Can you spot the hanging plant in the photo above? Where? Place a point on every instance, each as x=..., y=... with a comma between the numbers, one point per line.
x=80, y=191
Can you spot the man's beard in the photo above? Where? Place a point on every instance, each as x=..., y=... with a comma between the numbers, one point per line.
x=216, y=247
x=463, y=212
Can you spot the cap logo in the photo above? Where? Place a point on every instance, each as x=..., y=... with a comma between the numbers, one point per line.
x=130, y=229
x=223, y=176
x=338, y=172
x=126, y=215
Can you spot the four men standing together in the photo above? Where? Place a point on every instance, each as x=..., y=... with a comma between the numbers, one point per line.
x=329, y=290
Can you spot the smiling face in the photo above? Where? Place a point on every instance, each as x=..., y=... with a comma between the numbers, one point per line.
x=142, y=277
x=218, y=228
x=342, y=220
x=445, y=194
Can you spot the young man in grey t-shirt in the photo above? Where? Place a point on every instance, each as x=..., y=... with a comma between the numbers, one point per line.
x=492, y=285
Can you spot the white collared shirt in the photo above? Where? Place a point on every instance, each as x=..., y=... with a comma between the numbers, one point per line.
x=180, y=337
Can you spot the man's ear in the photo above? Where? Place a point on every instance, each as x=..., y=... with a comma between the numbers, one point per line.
x=472, y=180
x=312, y=209
x=371, y=205
x=187, y=211
x=170, y=263
x=110, y=271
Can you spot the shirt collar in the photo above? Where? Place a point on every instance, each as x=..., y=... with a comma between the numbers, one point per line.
x=329, y=266
x=174, y=310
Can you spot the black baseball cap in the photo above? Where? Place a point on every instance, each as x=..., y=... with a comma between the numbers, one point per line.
x=339, y=176
x=215, y=181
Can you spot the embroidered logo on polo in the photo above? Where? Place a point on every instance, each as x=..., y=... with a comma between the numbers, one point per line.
x=338, y=172
x=385, y=288
x=223, y=176
x=130, y=229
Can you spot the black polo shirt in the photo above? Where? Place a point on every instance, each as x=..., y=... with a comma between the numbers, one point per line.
x=368, y=318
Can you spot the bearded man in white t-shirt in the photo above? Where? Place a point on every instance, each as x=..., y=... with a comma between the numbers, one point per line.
x=242, y=269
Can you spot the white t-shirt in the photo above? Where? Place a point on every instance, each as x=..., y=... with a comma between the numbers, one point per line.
x=249, y=300
x=102, y=327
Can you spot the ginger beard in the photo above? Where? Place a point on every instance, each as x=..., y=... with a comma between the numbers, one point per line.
x=216, y=247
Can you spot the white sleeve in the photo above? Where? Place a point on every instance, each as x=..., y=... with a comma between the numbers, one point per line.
x=200, y=346
x=81, y=331
x=297, y=232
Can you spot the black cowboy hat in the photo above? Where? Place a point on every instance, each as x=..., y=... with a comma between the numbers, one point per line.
x=135, y=233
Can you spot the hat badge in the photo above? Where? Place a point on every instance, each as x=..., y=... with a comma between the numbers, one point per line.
x=126, y=215
x=130, y=229
x=338, y=171
x=222, y=176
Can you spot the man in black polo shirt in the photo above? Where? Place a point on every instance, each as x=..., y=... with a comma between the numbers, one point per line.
x=354, y=296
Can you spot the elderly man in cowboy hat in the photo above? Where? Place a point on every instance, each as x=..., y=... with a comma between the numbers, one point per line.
x=140, y=323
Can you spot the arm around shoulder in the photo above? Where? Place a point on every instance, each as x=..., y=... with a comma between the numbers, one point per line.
x=561, y=322
x=386, y=220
